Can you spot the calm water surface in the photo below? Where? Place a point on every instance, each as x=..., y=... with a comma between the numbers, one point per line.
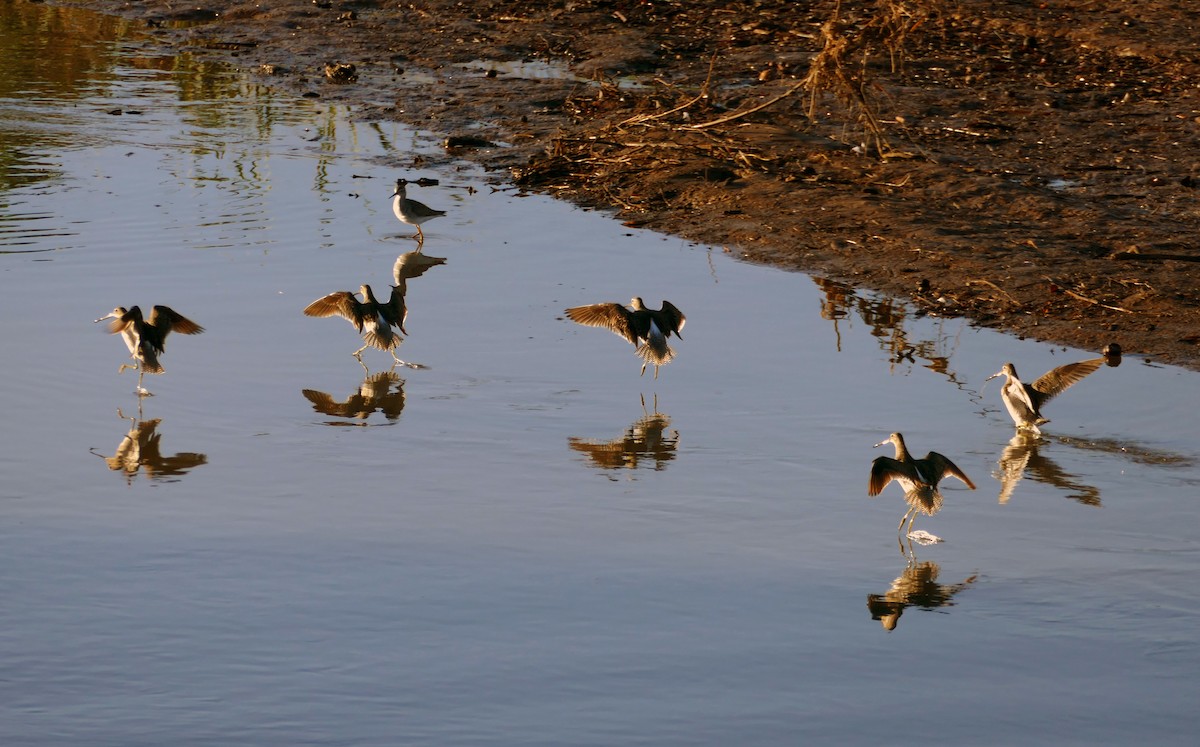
x=523, y=543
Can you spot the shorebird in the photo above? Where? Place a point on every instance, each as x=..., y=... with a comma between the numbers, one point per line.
x=918, y=477
x=647, y=329
x=410, y=211
x=1024, y=401
x=146, y=338
x=373, y=320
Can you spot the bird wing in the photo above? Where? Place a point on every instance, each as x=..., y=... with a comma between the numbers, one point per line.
x=943, y=467
x=611, y=316
x=675, y=316
x=163, y=320
x=167, y=320
x=883, y=471
x=1057, y=380
x=394, y=311
x=342, y=303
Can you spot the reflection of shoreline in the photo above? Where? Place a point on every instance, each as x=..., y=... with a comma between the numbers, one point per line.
x=916, y=586
x=645, y=440
x=139, y=450
x=378, y=392
x=886, y=318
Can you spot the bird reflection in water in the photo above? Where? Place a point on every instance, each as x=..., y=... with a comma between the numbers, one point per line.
x=379, y=392
x=139, y=450
x=1021, y=456
x=413, y=265
x=916, y=586
x=645, y=443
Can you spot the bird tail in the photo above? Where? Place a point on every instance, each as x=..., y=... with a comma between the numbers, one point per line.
x=387, y=341
x=656, y=351
x=148, y=356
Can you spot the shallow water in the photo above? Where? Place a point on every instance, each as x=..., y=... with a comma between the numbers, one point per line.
x=525, y=542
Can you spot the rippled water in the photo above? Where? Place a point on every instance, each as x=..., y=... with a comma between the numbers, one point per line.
x=524, y=542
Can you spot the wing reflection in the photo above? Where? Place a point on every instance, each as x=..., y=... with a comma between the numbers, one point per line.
x=1021, y=456
x=916, y=586
x=378, y=392
x=139, y=450
x=645, y=443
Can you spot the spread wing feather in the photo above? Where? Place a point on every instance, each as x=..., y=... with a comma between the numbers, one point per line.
x=1058, y=380
x=611, y=316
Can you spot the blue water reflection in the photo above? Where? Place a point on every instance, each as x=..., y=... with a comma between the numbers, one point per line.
x=536, y=549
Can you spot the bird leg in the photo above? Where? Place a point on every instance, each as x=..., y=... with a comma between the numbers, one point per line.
x=141, y=391
x=398, y=362
x=643, y=373
x=124, y=366
x=910, y=512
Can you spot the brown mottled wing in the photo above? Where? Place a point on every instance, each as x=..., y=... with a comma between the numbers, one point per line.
x=394, y=311
x=611, y=316
x=676, y=317
x=1051, y=383
x=167, y=320
x=342, y=303
x=883, y=471
x=943, y=467
x=164, y=320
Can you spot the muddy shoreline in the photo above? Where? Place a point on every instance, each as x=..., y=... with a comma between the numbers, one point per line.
x=1034, y=169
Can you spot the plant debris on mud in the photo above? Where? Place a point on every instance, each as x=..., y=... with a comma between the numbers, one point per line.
x=1032, y=166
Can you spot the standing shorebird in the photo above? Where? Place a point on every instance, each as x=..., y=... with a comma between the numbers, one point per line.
x=918, y=477
x=1024, y=401
x=373, y=320
x=146, y=338
x=410, y=211
x=647, y=329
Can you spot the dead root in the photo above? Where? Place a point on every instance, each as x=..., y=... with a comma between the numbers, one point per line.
x=668, y=126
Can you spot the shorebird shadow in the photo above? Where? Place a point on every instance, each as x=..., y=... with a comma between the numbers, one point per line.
x=646, y=443
x=379, y=392
x=139, y=451
x=916, y=586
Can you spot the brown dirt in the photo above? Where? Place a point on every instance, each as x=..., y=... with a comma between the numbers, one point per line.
x=1033, y=166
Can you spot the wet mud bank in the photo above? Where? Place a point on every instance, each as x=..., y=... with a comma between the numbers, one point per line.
x=1034, y=168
